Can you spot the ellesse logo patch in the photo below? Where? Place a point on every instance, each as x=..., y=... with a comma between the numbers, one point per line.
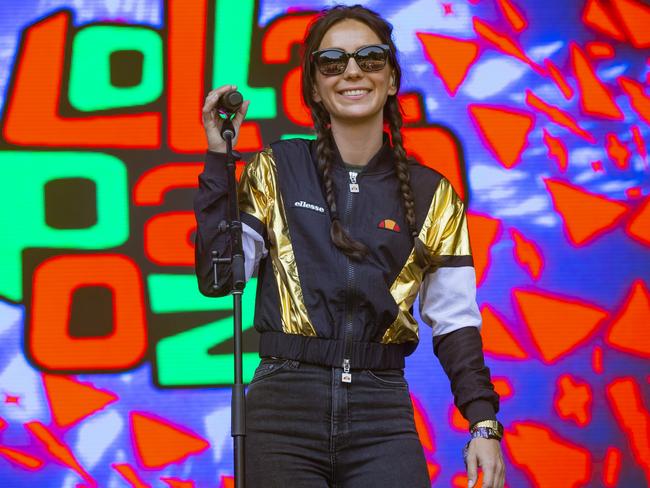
x=389, y=224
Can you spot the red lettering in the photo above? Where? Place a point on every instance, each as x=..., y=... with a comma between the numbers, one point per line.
x=54, y=283
x=35, y=96
x=167, y=239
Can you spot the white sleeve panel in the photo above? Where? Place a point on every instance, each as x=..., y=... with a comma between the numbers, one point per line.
x=448, y=299
x=254, y=250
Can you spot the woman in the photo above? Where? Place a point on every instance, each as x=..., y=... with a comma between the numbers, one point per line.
x=344, y=232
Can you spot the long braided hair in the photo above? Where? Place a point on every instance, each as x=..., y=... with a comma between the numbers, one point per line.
x=325, y=140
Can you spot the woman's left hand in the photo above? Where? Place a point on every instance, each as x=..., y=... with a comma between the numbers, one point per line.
x=485, y=453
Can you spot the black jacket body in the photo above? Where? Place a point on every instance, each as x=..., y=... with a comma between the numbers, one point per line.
x=317, y=305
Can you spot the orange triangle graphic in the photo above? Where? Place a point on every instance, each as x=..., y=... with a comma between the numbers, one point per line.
x=497, y=340
x=515, y=18
x=638, y=99
x=594, y=97
x=159, y=442
x=129, y=474
x=227, y=482
x=20, y=458
x=629, y=331
x=596, y=16
x=503, y=43
x=176, y=483
x=505, y=131
x=451, y=57
x=483, y=232
x=71, y=401
x=636, y=20
x=586, y=215
x=503, y=387
x=556, y=150
x=527, y=254
x=639, y=226
x=529, y=445
x=557, y=324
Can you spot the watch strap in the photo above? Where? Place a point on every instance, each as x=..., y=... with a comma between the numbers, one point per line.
x=485, y=433
x=491, y=429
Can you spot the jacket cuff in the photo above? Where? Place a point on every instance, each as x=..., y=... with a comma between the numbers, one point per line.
x=215, y=165
x=478, y=410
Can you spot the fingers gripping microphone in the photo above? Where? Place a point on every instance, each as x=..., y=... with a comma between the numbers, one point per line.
x=227, y=105
x=230, y=102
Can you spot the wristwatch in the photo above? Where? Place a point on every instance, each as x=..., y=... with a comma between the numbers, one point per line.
x=488, y=429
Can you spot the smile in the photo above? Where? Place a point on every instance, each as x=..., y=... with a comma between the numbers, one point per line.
x=354, y=93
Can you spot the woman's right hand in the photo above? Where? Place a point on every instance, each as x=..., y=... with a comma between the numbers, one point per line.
x=212, y=122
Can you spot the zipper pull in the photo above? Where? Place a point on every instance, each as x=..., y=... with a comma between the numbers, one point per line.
x=354, y=186
x=346, y=376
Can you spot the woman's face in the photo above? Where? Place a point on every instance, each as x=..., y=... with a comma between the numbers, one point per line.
x=354, y=95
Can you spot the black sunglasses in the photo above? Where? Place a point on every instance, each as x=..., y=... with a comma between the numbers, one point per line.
x=334, y=61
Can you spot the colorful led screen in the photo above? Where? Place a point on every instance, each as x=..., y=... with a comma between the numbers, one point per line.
x=115, y=371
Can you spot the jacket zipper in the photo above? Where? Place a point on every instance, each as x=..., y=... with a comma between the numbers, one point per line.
x=346, y=376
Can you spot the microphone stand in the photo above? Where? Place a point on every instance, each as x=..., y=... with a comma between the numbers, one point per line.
x=236, y=261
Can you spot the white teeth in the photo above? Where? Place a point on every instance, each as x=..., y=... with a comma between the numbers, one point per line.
x=354, y=92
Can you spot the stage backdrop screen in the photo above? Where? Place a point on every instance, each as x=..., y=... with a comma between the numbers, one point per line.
x=115, y=371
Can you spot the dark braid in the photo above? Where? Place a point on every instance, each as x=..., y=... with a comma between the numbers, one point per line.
x=401, y=164
x=325, y=153
x=394, y=117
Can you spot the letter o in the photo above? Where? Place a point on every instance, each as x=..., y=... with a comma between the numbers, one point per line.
x=50, y=344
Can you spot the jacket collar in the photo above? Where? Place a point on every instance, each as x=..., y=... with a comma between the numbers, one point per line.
x=382, y=161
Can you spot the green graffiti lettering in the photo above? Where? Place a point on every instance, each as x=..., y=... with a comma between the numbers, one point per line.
x=234, y=25
x=183, y=359
x=134, y=77
x=22, y=207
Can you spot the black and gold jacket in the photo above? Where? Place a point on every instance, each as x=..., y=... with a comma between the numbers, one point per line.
x=315, y=304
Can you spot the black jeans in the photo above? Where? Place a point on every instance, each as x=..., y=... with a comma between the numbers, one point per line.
x=307, y=429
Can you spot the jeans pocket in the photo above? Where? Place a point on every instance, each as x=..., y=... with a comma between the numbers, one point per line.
x=269, y=367
x=392, y=378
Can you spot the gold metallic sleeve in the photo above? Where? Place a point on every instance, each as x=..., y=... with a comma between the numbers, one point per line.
x=257, y=177
x=260, y=197
x=447, y=232
x=444, y=233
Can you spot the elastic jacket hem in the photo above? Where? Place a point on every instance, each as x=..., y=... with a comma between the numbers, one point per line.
x=330, y=352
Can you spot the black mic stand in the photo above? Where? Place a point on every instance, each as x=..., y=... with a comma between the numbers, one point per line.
x=236, y=261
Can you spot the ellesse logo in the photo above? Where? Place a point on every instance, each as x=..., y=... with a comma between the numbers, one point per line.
x=310, y=206
x=389, y=224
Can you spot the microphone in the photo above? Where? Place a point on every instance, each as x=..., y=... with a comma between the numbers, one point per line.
x=229, y=102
